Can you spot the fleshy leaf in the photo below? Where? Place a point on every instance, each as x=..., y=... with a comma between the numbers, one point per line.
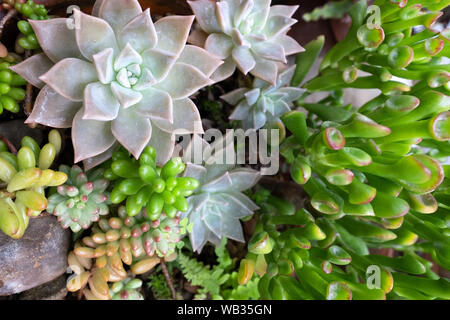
x=234, y=96
x=220, y=184
x=93, y=35
x=219, y=45
x=100, y=103
x=289, y=44
x=119, y=12
x=32, y=68
x=225, y=71
x=241, y=112
x=159, y=62
x=270, y=50
x=205, y=11
x=69, y=77
x=56, y=39
x=126, y=57
x=164, y=144
x=186, y=118
x=127, y=97
x=173, y=32
x=140, y=33
x=183, y=80
x=92, y=162
x=243, y=179
x=53, y=110
x=201, y=59
x=244, y=59
x=156, y=104
x=194, y=171
x=265, y=70
x=83, y=134
x=132, y=130
x=277, y=25
x=103, y=62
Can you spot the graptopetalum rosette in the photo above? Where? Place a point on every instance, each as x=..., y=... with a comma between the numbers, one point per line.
x=216, y=207
x=263, y=104
x=115, y=77
x=249, y=34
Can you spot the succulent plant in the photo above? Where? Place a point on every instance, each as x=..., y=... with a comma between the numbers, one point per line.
x=24, y=179
x=33, y=11
x=133, y=241
x=81, y=200
x=130, y=87
x=326, y=255
x=372, y=173
x=217, y=205
x=145, y=186
x=263, y=104
x=127, y=289
x=248, y=34
x=11, y=86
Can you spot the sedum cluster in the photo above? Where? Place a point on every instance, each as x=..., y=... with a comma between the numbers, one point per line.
x=11, y=86
x=24, y=178
x=81, y=200
x=123, y=240
x=144, y=186
x=330, y=258
x=33, y=11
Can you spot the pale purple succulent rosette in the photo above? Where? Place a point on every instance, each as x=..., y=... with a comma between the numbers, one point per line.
x=117, y=77
x=216, y=207
x=249, y=34
x=264, y=103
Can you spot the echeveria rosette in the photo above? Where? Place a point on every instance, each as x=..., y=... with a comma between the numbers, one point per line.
x=264, y=103
x=81, y=200
x=217, y=205
x=117, y=77
x=248, y=34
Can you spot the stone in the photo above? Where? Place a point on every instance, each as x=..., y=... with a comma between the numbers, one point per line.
x=38, y=257
x=53, y=290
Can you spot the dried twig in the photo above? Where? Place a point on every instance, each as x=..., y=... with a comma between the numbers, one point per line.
x=11, y=13
x=10, y=146
x=168, y=279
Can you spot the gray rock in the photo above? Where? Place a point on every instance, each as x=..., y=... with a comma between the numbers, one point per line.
x=38, y=257
x=53, y=290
